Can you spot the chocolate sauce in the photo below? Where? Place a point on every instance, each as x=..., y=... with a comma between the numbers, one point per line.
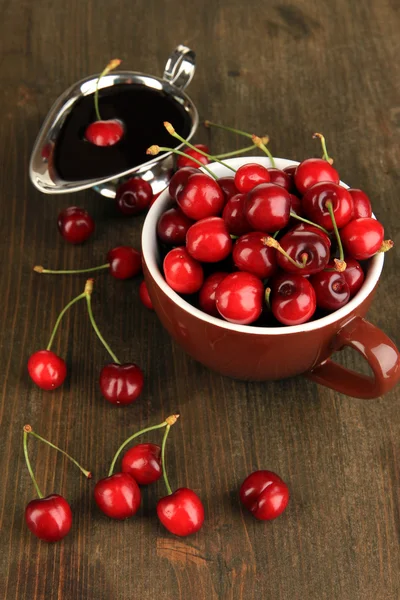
x=142, y=110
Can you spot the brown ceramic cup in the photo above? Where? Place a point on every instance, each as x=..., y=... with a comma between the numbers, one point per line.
x=266, y=353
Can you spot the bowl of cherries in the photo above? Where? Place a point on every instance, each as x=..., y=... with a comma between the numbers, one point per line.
x=261, y=268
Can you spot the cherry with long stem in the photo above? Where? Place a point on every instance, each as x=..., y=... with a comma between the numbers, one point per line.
x=29, y=466
x=41, y=269
x=339, y=264
x=325, y=154
x=273, y=243
x=88, y=296
x=155, y=149
x=113, y=64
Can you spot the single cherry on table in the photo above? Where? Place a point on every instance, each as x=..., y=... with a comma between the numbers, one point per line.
x=264, y=494
x=75, y=225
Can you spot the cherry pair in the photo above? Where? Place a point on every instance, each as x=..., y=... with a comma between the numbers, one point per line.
x=118, y=496
x=120, y=384
x=48, y=518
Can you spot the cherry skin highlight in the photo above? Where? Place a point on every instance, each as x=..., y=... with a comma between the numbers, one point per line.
x=173, y=226
x=183, y=161
x=207, y=293
x=200, y=197
x=268, y=207
x=125, y=262
x=239, y=298
x=182, y=272
x=182, y=512
x=75, y=225
x=249, y=175
x=121, y=384
x=361, y=204
x=252, y=255
x=312, y=171
x=133, y=196
x=208, y=240
x=104, y=133
x=50, y=518
x=331, y=289
x=293, y=299
x=362, y=238
x=143, y=463
x=314, y=204
x=118, y=496
x=47, y=369
x=264, y=494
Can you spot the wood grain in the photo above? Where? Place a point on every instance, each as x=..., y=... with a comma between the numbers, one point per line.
x=286, y=69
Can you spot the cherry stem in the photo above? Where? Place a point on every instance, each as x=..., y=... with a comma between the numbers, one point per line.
x=273, y=243
x=324, y=150
x=29, y=466
x=267, y=297
x=329, y=207
x=113, y=64
x=60, y=316
x=231, y=129
x=386, y=246
x=154, y=150
x=40, y=269
x=264, y=139
x=175, y=135
x=260, y=144
x=28, y=429
x=276, y=234
x=168, y=422
x=292, y=214
x=164, y=469
x=88, y=296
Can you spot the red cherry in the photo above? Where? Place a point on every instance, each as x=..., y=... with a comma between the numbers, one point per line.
x=292, y=299
x=179, y=180
x=75, y=225
x=264, y=494
x=47, y=369
x=234, y=215
x=207, y=293
x=252, y=255
x=239, y=298
x=208, y=240
x=182, y=272
x=279, y=177
x=362, y=238
x=144, y=296
x=173, y=226
x=125, y=262
x=182, y=512
x=133, y=196
x=104, y=133
x=121, y=384
x=201, y=197
x=118, y=496
x=50, y=518
x=249, y=175
x=331, y=289
x=183, y=161
x=309, y=227
x=361, y=204
x=305, y=247
x=290, y=171
x=228, y=187
x=314, y=204
x=268, y=207
x=354, y=275
x=143, y=463
x=312, y=171
x=296, y=206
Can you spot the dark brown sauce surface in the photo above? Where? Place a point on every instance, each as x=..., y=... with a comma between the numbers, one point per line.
x=142, y=110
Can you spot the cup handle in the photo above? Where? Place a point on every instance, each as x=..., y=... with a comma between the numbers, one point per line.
x=180, y=67
x=377, y=349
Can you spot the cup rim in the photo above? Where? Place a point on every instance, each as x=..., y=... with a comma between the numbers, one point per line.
x=149, y=252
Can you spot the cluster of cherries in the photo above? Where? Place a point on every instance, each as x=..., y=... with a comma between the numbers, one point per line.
x=264, y=240
x=118, y=495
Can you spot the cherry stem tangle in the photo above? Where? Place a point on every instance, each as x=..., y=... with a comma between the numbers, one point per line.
x=154, y=150
x=113, y=64
x=324, y=150
x=340, y=264
x=88, y=296
x=264, y=139
x=60, y=316
x=167, y=423
x=40, y=269
x=29, y=466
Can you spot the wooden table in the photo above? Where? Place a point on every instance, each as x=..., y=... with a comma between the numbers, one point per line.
x=284, y=69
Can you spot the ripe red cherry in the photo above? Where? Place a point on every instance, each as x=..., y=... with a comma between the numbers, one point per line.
x=279, y=177
x=361, y=204
x=104, y=133
x=121, y=384
x=290, y=171
x=268, y=207
x=305, y=247
x=249, y=175
x=133, y=196
x=125, y=262
x=183, y=161
x=179, y=180
x=228, y=187
x=309, y=227
x=182, y=272
x=118, y=496
x=208, y=240
x=47, y=369
x=173, y=226
x=143, y=462
x=201, y=197
x=331, y=289
x=50, y=518
x=312, y=171
x=182, y=512
x=252, y=255
x=314, y=204
x=264, y=494
x=75, y=225
x=144, y=296
x=295, y=206
x=234, y=215
x=207, y=293
x=239, y=298
x=362, y=238
x=292, y=299
x=354, y=275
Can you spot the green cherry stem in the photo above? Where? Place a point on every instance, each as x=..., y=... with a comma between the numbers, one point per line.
x=88, y=295
x=340, y=264
x=28, y=463
x=175, y=135
x=292, y=214
x=154, y=150
x=241, y=150
x=60, y=316
x=113, y=64
x=225, y=128
x=260, y=144
x=164, y=468
x=28, y=429
x=325, y=154
x=273, y=243
x=167, y=423
x=40, y=269
x=267, y=298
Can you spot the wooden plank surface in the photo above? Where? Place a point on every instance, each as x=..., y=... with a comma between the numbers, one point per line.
x=286, y=69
